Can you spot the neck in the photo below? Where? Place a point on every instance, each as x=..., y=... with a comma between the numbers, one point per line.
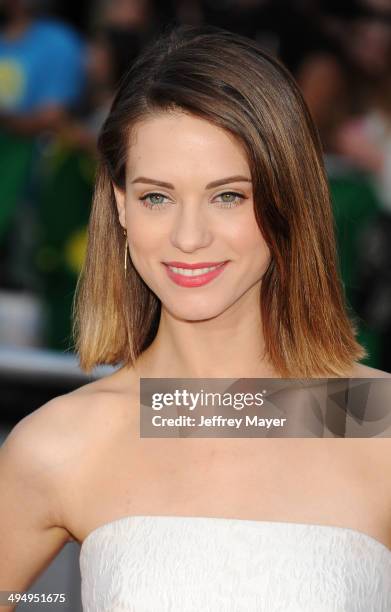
x=230, y=345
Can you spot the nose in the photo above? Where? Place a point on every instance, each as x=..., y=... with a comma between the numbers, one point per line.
x=191, y=228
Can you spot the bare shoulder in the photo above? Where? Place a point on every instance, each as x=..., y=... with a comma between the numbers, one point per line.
x=378, y=446
x=364, y=371
x=102, y=406
x=53, y=446
x=46, y=465
x=76, y=414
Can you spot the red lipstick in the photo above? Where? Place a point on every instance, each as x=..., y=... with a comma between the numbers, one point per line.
x=194, y=279
x=201, y=264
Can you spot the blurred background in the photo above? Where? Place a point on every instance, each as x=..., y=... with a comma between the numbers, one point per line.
x=60, y=63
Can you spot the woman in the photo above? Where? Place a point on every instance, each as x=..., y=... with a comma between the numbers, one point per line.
x=209, y=159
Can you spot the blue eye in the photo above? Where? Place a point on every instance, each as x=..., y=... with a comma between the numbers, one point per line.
x=223, y=204
x=152, y=204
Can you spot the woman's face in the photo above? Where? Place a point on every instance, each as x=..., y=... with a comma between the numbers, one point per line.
x=190, y=219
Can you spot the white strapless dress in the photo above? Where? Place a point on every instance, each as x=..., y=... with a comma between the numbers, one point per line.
x=208, y=564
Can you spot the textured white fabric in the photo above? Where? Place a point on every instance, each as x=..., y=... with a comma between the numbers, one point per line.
x=208, y=564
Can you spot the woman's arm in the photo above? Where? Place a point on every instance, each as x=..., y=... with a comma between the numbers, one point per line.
x=31, y=531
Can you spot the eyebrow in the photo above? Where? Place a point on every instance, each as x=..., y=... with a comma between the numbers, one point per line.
x=223, y=181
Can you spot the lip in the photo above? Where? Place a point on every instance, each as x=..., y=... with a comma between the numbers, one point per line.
x=195, y=281
x=201, y=264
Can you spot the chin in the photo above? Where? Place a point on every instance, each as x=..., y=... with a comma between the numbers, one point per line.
x=194, y=312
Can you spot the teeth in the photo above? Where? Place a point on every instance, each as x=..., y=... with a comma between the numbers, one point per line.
x=195, y=272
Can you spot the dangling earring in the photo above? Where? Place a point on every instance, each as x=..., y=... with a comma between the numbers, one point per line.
x=126, y=250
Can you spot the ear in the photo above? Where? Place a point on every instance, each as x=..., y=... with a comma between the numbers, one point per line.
x=120, y=201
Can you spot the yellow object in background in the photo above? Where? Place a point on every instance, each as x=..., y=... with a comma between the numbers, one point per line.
x=75, y=250
x=12, y=83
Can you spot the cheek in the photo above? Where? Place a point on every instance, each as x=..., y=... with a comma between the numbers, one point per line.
x=144, y=238
x=249, y=241
x=260, y=255
x=139, y=246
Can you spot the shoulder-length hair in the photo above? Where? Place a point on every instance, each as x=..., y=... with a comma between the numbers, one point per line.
x=231, y=82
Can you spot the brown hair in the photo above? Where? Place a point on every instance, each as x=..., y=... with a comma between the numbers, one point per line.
x=229, y=81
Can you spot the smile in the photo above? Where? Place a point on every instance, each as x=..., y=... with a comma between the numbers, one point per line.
x=194, y=277
x=194, y=272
